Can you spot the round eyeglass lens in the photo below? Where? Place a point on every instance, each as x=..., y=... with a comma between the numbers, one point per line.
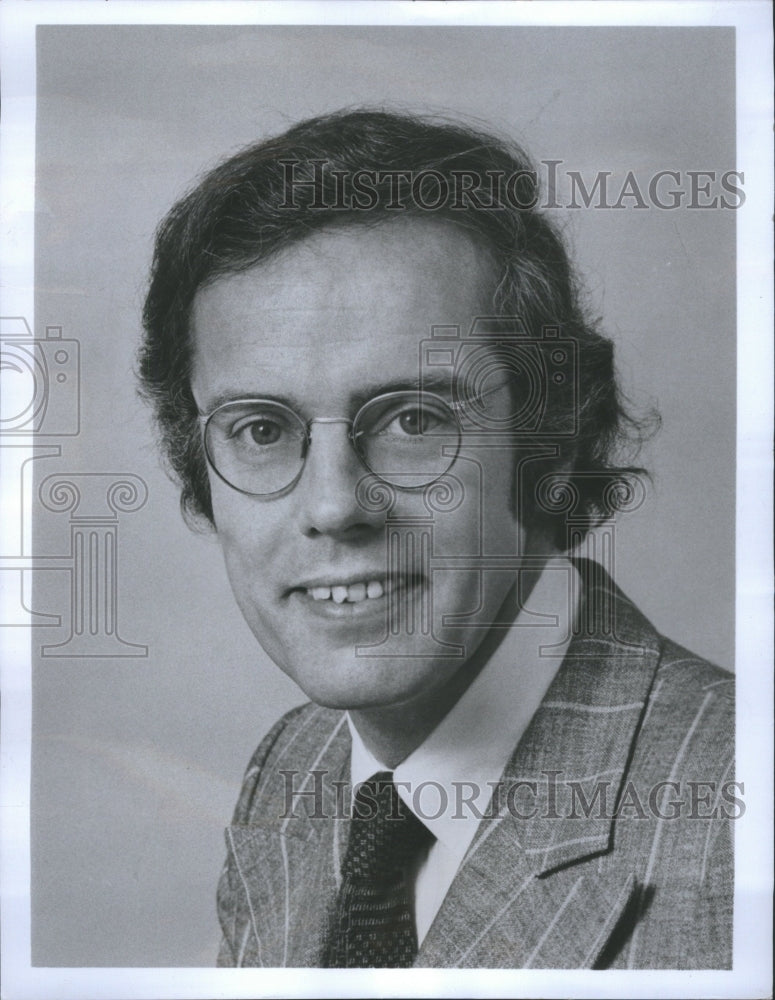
x=256, y=446
x=408, y=439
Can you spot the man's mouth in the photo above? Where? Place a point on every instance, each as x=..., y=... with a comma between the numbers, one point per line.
x=352, y=593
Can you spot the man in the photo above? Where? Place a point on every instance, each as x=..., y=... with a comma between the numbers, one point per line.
x=375, y=382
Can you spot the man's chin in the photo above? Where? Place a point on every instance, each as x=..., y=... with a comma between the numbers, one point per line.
x=362, y=683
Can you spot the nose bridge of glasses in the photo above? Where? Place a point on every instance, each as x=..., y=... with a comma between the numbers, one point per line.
x=326, y=420
x=331, y=461
x=329, y=420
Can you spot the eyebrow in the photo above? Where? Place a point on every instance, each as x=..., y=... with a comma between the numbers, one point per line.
x=435, y=382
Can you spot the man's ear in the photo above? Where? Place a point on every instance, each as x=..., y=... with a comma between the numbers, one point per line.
x=197, y=522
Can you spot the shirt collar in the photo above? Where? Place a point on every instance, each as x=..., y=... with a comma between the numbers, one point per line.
x=470, y=747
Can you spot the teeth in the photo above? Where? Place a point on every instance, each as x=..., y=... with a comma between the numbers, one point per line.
x=356, y=592
x=353, y=594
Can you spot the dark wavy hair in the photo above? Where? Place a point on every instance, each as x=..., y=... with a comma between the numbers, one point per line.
x=240, y=214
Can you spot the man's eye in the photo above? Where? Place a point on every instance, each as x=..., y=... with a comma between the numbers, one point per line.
x=265, y=431
x=417, y=421
x=262, y=431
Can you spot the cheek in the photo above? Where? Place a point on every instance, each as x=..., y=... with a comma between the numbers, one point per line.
x=478, y=518
x=248, y=542
x=248, y=534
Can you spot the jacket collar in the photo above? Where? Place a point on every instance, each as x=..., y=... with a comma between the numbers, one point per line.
x=581, y=736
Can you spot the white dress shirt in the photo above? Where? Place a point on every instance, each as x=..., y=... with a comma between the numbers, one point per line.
x=447, y=781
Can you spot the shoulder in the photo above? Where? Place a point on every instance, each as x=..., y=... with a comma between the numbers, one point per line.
x=685, y=680
x=689, y=719
x=682, y=691
x=682, y=706
x=292, y=743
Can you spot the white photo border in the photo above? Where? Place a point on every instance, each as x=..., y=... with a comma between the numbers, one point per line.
x=753, y=937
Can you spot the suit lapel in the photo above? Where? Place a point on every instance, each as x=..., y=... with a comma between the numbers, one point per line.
x=522, y=897
x=290, y=867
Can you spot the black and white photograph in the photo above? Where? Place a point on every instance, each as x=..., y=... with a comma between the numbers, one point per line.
x=387, y=488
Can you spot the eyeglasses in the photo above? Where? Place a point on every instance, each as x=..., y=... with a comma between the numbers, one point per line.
x=258, y=446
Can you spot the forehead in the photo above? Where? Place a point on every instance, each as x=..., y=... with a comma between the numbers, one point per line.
x=341, y=309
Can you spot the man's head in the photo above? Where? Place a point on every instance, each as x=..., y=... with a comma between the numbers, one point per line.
x=255, y=204
x=309, y=271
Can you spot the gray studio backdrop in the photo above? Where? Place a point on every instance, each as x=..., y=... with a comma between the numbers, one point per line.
x=138, y=749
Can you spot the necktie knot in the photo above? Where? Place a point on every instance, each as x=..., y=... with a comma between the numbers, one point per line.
x=385, y=835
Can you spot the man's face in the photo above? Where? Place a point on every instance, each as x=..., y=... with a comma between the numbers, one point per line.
x=333, y=320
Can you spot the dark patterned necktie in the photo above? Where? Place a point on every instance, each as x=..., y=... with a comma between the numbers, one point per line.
x=373, y=923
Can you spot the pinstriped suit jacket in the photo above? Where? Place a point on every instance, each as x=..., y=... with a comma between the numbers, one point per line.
x=556, y=878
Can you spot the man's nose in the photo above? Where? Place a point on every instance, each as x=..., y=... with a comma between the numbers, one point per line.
x=327, y=490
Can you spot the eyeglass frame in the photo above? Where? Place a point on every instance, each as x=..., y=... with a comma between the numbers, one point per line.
x=455, y=407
